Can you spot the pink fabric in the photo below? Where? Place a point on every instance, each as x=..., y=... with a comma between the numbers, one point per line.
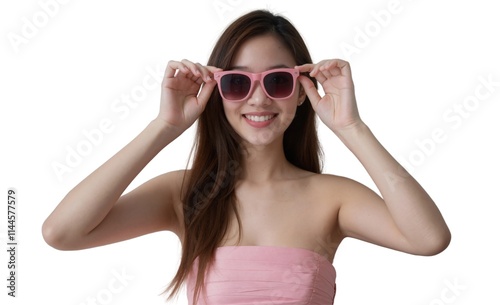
x=253, y=275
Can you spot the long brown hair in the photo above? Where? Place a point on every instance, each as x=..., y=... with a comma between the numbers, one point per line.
x=209, y=199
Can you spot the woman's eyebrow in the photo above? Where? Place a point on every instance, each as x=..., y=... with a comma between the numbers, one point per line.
x=245, y=68
x=278, y=66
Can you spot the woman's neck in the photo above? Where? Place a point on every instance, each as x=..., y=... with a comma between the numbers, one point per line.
x=265, y=163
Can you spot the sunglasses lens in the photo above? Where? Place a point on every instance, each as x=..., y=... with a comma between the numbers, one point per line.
x=279, y=84
x=235, y=86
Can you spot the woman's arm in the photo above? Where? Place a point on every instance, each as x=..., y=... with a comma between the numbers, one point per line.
x=406, y=218
x=72, y=225
x=95, y=212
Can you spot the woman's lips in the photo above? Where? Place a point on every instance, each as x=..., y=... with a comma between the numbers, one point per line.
x=259, y=120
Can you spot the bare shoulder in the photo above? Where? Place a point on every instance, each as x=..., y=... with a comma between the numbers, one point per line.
x=327, y=194
x=334, y=186
x=333, y=192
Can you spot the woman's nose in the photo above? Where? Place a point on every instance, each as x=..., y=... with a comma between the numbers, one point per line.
x=258, y=96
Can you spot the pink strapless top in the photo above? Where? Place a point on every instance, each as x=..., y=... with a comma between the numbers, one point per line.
x=252, y=275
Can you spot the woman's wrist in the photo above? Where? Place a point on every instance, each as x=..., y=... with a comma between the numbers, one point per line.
x=164, y=132
x=352, y=133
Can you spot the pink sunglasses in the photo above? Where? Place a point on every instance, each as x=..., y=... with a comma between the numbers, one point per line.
x=236, y=86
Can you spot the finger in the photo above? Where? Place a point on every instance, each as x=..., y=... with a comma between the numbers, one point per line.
x=172, y=70
x=310, y=90
x=206, y=92
x=213, y=69
x=340, y=68
x=197, y=79
x=199, y=70
x=317, y=68
x=326, y=72
x=333, y=68
x=202, y=72
x=305, y=68
x=206, y=73
x=193, y=68
x=314, y=71
x=345, y=67
x=319, y=76
x=340, y=65
x=172, y=67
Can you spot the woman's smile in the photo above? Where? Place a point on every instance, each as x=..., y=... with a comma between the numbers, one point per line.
x=259, y=119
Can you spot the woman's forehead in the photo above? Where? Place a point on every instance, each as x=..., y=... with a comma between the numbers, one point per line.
x=262, y=53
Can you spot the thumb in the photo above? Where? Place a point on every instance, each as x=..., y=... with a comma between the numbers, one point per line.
x=310, y=90
x=206, y=92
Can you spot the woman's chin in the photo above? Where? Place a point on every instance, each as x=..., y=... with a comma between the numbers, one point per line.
x=262, y=139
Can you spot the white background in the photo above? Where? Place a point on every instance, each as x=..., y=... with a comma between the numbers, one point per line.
x=66, y=68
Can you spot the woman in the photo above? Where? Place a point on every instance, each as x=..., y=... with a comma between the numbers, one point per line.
x=254, y=199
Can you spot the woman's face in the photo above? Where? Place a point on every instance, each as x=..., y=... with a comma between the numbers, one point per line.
x=260, y=120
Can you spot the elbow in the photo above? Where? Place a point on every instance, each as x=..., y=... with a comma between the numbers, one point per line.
x=54, y=237
x=50, y=235
x=436, y=244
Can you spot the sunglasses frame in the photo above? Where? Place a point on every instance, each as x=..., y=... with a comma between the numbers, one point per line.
x=257, y=77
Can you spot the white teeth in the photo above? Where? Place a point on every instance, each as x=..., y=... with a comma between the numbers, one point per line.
x=257, y=118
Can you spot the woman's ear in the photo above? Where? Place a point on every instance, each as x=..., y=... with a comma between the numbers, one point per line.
x=302, y=95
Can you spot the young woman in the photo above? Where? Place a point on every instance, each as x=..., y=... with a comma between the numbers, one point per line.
x=257, y=220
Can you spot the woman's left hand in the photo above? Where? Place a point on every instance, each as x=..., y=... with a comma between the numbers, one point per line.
x=337, y=108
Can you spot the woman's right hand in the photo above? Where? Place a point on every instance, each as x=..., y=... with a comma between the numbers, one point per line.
x=182, y=101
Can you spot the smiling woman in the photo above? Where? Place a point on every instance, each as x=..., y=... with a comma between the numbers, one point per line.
x=258, y=221
x=261, y=111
